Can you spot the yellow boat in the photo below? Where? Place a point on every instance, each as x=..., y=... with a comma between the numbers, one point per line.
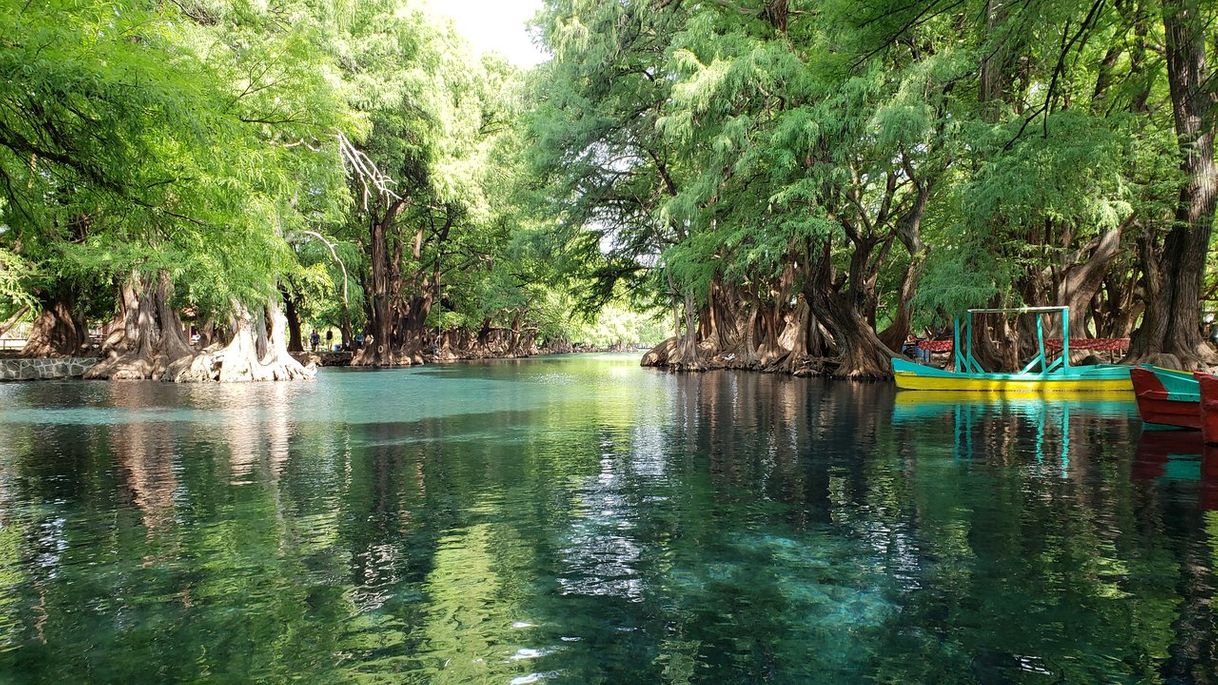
x=1042, y=376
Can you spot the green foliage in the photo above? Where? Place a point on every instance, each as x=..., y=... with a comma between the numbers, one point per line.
x=184, y=140
x=667, y=153
x=203, y=139
x=621, y=325
x=13, y=272
x=711, y=144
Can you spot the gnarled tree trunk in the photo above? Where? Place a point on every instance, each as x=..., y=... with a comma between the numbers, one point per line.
x=384, y=292
x=397, y=310
x=147, y=341
x=147, y=337
x=291, y=311
x=258, y=351
x=685, y=356
x=1172, y=323
x=58, y=331
x=1081, y=282
x=861, y=355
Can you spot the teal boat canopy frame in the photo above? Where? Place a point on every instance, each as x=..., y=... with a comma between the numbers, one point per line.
x=1040, y=363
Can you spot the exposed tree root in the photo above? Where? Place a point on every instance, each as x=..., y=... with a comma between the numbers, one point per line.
x=146, y=341
x=146, y=337
x=257, y=352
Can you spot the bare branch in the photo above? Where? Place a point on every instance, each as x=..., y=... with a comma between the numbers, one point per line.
x=334, y=254
x=359, y=165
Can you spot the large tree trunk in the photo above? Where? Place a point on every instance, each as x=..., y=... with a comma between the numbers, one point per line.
x=514, y=346
x=348, y=339
x=1172, y=323
x=384, y=293
x=1000, y=63
x=804, y=339
x=1122, y=306
x=899, y=328
x=257, y=352
x=147, y=337
x=861, y=355
x=998, y=346
x=290, y=302
x=147, y=342
x=1081, y=282
x=774, y=349
x=771, y=352
x=399, y=324
x=685, y=356
x=680, y=352
x=208, y=335
x=718, y=325
x=379, y=304
x=58, y=331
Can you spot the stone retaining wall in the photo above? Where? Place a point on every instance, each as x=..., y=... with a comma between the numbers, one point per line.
x=44, y=369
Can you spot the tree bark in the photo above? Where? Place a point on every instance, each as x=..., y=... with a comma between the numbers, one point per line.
x=348, y=338
x=861, y=355
x=1172, y=323
x=399, y=323
x=58, y=331
x=1123, y=303
x=999, y=65
x=895, y=334
x=207, y=333
x=257, y=352
x=383, y=289
x=147, y=336
x=1081, y=282
x=290, y=304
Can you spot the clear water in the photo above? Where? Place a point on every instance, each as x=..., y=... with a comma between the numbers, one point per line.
x=582, y=520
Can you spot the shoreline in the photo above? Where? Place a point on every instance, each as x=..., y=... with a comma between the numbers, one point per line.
x=14, y=369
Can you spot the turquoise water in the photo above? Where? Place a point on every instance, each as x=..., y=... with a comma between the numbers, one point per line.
x=583, y=520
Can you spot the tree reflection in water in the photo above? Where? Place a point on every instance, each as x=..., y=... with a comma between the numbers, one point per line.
x=583, y=520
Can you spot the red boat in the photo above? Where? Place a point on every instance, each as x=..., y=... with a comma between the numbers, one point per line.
x=1209, y=407
x=1167, y=397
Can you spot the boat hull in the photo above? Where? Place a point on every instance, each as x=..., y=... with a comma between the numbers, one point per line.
x=1209, y=408
x=1084, y=379
x=1166, y=397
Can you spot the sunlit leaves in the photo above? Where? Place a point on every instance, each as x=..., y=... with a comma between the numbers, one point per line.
x=182, y=138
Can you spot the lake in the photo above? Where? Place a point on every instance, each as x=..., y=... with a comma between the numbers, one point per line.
x=579, y=519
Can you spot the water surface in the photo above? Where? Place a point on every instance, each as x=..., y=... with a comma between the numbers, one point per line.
x=583, y=520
